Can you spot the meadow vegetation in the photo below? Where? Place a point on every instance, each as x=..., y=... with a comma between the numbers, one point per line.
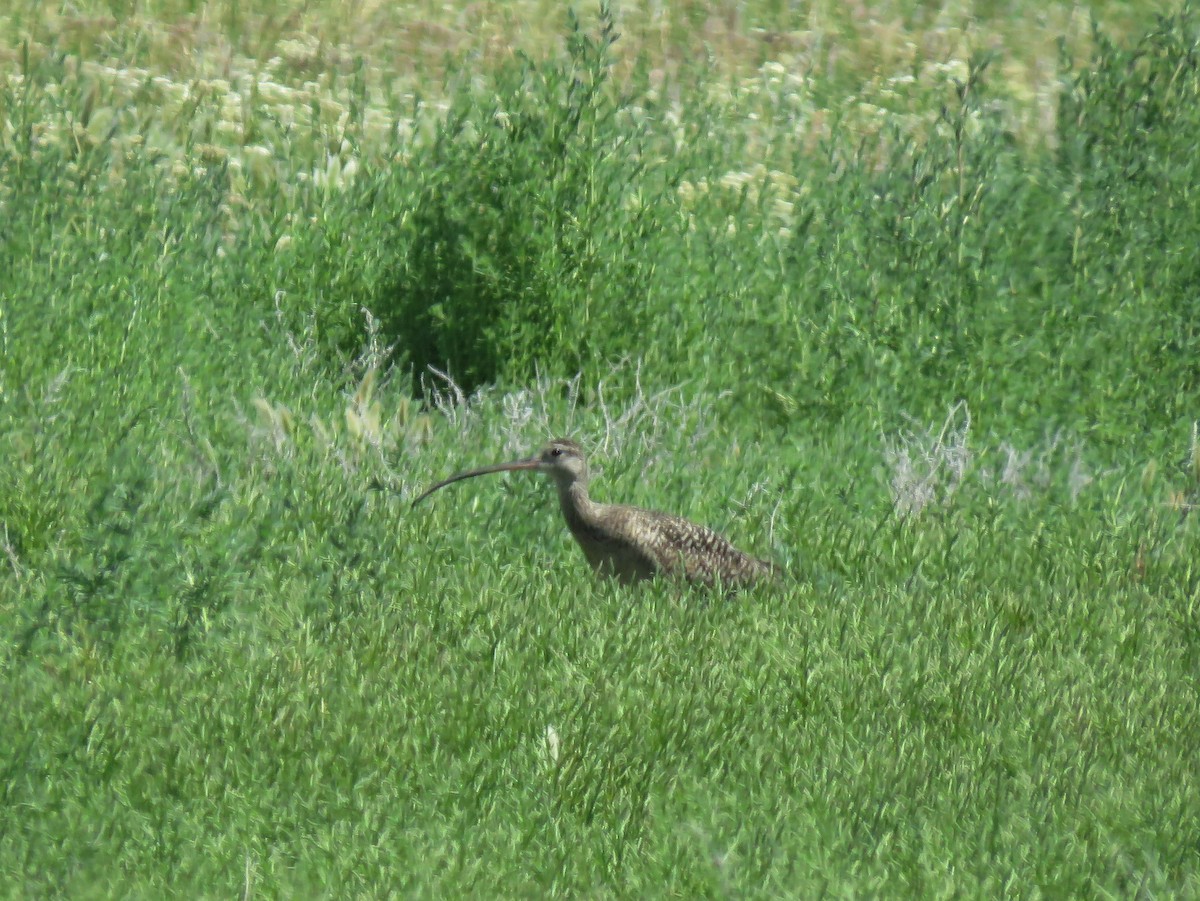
x=903, y=297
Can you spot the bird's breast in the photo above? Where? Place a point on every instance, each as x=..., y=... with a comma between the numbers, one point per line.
x=606, y=542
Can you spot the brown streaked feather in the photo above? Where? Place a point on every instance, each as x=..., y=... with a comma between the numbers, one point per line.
x=629, y=543
x=661, y=544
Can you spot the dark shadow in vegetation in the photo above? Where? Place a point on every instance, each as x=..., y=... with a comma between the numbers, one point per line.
x=544, y=230
x=525, y=241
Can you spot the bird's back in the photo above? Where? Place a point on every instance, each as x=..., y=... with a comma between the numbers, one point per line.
x=633, y=544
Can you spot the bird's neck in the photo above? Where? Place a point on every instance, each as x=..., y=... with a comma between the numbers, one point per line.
x=577, y=507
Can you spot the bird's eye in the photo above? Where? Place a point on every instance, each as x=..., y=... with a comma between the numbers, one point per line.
x=556, y=452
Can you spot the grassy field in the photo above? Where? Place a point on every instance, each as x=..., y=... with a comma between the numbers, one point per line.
x=906, y=298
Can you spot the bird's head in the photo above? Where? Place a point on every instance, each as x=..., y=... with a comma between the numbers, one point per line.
x=561, y=458
x=564, y=460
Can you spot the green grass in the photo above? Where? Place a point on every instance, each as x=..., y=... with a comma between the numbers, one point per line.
x=920, y=329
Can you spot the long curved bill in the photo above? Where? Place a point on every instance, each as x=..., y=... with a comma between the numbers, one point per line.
x=530, y=463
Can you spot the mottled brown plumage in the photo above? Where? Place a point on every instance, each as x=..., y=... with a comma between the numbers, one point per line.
x=629, y=543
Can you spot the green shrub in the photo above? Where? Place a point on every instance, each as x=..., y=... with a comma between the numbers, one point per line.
x=1129, y=127
x=524, y=244
x=1041, y=290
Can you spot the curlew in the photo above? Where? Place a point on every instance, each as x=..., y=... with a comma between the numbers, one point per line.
x=629, y=543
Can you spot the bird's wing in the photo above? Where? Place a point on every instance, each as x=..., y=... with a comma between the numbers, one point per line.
x=685, y=549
